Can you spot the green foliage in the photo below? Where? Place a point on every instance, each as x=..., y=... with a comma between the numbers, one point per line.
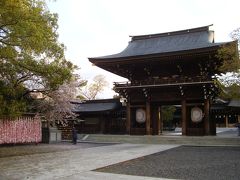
x=229, y=54
x=11, y=100
x=230, y=92
x=229, y=80
x=167, y=113
x=31, y=58
x=229, y=60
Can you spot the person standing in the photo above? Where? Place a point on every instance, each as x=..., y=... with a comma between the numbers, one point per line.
x=74, y=135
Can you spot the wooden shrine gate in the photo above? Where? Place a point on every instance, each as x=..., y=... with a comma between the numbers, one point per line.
x=169, y=68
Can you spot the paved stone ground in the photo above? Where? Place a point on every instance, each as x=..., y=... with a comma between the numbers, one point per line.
x=75, y=163
x=227, y=132
x=227, y=137
x=66, y=161
x=185, y=162
x=28, y=149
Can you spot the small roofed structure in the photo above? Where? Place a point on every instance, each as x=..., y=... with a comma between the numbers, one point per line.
x=100, y=116
x=226, y=113
x=96, y=106
x=173, y=68
x=105, y=116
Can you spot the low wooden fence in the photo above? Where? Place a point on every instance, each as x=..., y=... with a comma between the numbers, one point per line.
x=20, y=130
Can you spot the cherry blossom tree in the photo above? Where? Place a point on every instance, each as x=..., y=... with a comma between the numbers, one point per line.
x=91, y=91
x=56, y=106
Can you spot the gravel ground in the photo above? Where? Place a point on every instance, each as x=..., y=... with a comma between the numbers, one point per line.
x=21, y=150
x=185, y=162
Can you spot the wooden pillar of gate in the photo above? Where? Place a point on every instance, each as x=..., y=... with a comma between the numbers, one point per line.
x=128, y=122
x=226, y=121
x=155, y=120
x=148, y=118
x=159, y=121
x=206, y=116
x=184, y=117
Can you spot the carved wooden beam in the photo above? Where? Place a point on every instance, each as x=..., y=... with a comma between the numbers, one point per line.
x=145, y=92
x=147, y=70
x=181, y=90
x=179, y=69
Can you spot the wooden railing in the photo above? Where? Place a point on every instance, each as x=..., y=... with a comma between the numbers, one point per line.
x=162, y=81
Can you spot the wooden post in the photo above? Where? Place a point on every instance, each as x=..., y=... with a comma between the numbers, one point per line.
x=128, y=122
x=148, y=118
x=160, y=128
x=226, y=120
x=154, y=120
x=206, y=116
x=184, y=117
x=155, y=117
x=158, y=121
x=212, y=126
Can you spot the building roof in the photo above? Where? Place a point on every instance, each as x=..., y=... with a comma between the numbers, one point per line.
x=97, y=106
x=234, y=103
x=184, y=40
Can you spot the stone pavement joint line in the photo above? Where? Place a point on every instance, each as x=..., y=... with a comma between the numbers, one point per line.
x=108, y=176
x=76, y=164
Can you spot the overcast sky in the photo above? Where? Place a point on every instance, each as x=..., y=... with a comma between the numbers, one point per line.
x=91, y=28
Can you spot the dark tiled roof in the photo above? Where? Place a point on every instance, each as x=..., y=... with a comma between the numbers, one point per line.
x=96, y=106
x=222, y=105
x=234, y=103
x=190, y=39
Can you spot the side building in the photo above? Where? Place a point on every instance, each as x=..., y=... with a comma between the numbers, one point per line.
x=102, y=116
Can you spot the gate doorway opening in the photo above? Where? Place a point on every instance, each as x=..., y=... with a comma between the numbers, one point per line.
x=170, y=120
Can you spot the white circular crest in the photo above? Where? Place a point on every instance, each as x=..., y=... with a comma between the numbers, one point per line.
x=140, y=115
x=196, y=114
